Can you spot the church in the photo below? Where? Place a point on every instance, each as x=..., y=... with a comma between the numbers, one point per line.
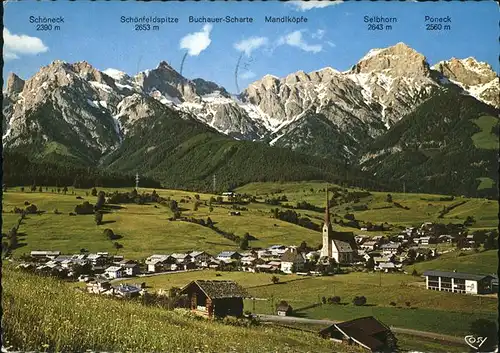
x=336, y=245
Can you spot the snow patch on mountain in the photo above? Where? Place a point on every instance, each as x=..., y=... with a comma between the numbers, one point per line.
x=115, y=74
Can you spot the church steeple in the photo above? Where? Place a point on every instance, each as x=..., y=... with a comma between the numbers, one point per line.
x=326, y=250
x=327, y=210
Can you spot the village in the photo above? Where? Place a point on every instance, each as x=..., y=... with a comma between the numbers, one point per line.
x=353, y=253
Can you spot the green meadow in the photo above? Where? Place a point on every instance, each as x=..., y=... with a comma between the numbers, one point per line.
x=145, y=229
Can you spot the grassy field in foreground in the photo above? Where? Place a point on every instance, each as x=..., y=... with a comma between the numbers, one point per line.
x=485, y=262
x=105, y=324
x=146, y=230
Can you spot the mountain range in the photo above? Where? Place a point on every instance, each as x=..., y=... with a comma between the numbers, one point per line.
x=391, y=119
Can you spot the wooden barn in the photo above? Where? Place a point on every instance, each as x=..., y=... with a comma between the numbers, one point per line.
x=215, y=298
x=366, y=332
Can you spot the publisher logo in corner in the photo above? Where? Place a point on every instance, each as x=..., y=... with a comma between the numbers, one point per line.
x=475, y=342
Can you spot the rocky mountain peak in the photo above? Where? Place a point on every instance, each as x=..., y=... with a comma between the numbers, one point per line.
x=469, y=71
x=15, y=84
x=204, y=87
x=397, y=60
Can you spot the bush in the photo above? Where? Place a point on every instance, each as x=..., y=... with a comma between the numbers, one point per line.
x=31, y=209
x=275, y=279
x=334, y=300
x=323, y=300
x=392, y=303
x=359, y=301
x=84, y=208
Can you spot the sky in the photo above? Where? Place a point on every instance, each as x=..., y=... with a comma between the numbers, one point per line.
x=334, y=35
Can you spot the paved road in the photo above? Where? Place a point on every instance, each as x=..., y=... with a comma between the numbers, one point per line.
x=291, y=319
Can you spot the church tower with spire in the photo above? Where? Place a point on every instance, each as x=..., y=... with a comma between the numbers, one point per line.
x=326, y=251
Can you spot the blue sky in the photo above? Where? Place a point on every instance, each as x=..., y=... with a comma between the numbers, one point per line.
x=334, y=36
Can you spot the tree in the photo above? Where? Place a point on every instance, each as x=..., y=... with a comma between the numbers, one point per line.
x=94, y=191
x=101, y=199
x=33, y=187
x=98, y=218
x=65, y=190
x=388, y=198
x=414, y=272
x=31, y=209
x=490, y=242
x=275, y=279
x=84, y=208
x=335, y=300
x=470, y=220
x=370, y=264
x=117, y=246
x=303, y=246
x=197, y=197
x=412, y=255
x=22, y=188
x=108, y=233
x=196, y=205
x=359, y=301
x=210, y=209
x=244, y=242
x=40, y=189
x=209, y=222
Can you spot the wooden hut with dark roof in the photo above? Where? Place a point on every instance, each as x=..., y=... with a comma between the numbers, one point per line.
x=215, y=298
x=367, y=332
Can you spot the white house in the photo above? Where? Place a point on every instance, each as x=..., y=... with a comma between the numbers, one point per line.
x=277, y=250
x=201, y=258
x=181, y=258
x=114, y=272
x=369, y=245
x=158, y=263
x=228, y=256
x=292, y=261
x=390, y=248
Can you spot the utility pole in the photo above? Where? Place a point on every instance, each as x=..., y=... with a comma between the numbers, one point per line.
x=214, y=184
x=136, y=181
x=404, y=187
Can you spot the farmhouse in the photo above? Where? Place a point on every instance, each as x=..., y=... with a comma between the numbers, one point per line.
x=215, y=298
x=131, y=269
x=158, y=263
x=390, y=248
x=292, y=261
x=277, y=250
x=181, y=258
x=367, y=332
x=114, y=272
x=228, y=256
x=99, y=287
x=369, y=245
x=458, y=282
x=200, y=257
